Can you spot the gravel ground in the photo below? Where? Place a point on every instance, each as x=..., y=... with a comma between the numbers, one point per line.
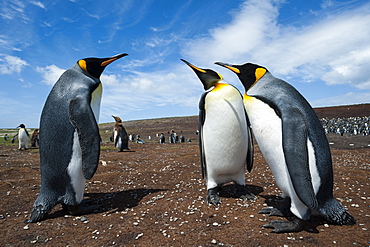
x=153, y=195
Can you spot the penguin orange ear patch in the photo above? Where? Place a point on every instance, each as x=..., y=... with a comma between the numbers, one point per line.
x=259, y=73
x=82, y=64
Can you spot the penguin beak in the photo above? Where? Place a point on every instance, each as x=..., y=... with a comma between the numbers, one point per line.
x=195, y=68
x=112, y=59
x=228, y=66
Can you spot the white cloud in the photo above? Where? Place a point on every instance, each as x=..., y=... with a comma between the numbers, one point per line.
x=351, y=68
x=334, y=48
x=50, y=74
x=39, y=4
x=347, y=99
x=12, y=64
x=249, y=29
x=125, y=94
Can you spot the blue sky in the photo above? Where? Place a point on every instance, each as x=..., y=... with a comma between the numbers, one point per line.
x=320, y=47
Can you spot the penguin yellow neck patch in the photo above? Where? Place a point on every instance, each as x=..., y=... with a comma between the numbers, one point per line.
x=219, y=86
x=82, y=64
x=247, y=97
x=259, y=73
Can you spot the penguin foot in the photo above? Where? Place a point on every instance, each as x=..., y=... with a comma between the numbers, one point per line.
x=245, y=194
x=271, y=211
x=281, y=226
x=282, y=210
x=213, y=199
x=213, y=196
x=37, y=215
x=249, y=196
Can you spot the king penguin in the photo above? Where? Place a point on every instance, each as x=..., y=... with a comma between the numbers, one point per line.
x=69, y=137
x=294, y=144
x=23, y=137
x=225, y=141
x=120, y=137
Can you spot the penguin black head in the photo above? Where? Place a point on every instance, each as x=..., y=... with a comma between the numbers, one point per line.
x=248, y=73
x=207, y=76
x=118, y=119
x=95, y=66
x=21, y=126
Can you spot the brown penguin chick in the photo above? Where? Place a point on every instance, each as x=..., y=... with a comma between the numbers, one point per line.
x=120, y=137
x=35, y=138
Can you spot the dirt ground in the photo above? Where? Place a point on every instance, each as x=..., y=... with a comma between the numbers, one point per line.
x=153, y=195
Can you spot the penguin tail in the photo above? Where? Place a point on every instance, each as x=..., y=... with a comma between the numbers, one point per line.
x=335, y=213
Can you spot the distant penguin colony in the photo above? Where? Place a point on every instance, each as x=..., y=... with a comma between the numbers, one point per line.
x=23, y=137
x=69, y=137
x=120, y=137
x=221, y=116
x=295, y=146
x=288, y=132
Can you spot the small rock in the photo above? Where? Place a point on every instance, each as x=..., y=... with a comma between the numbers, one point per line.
x=26, y=227
x=214, y=241
x=139, y=235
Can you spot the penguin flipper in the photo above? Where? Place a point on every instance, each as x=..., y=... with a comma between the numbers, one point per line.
x=295, y=134
x=124, y=137
x=250, y=146
x=202, y=116
x=82, y=118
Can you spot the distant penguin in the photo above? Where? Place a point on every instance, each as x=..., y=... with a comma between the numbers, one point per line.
x=182, y=137
x=69, y=137
x=221, y=115
x=23, y=137
x=294, y=144
x=162, y=139
x=35, y=138
x=120, y=137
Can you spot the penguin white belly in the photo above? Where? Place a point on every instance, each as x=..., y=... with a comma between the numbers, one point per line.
x=224, y=139
x=23, y=138
x=267, y=129
x=75, y=169
x=119, y=141
x=96, y=100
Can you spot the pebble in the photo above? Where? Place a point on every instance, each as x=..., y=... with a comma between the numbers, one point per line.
x=139, y=235
x=26, y=227
x=214, y=241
